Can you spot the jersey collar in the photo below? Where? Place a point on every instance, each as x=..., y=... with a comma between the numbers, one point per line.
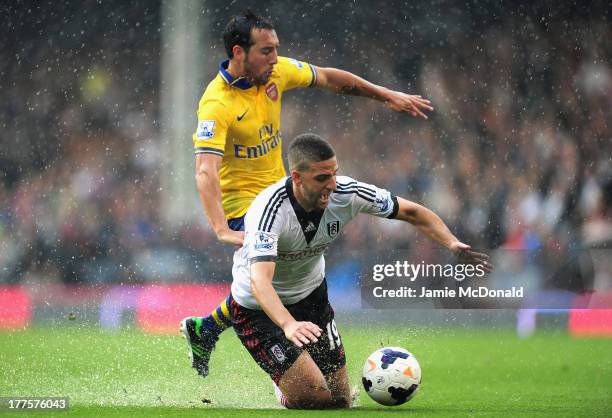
x=240, y=82
x=309, y=221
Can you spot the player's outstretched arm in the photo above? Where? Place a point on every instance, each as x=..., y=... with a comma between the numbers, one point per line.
x=431, y=225
x=344, y=82
x=298, y=332
x=209, y=188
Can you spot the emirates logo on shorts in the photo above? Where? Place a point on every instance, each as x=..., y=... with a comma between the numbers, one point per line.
x=272, y=91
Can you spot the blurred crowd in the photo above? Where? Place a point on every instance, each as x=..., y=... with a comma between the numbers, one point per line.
x=517, y=153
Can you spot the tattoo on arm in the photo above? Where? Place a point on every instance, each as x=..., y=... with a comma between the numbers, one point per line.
x=352, y=91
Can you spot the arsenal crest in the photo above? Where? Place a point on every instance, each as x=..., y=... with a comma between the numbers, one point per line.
x=333, y=228
x=272, y=91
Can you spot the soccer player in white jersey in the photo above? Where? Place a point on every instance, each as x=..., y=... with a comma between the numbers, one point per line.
x=278, y=304
x=238, y=140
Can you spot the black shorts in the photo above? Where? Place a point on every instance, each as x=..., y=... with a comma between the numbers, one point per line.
x=267, y=344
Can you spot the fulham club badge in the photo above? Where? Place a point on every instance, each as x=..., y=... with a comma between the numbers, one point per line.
x=272, y=91
x=333, y=228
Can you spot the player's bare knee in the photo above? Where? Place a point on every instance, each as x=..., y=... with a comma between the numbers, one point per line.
x=337, y=382
x=318, y=398
x=343, y=401
x=310, y=397
x=311, y=402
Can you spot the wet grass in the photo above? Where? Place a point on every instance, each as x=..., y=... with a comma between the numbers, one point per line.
x=465, y=372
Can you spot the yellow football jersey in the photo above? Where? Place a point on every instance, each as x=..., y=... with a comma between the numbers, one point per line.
x=241, y=123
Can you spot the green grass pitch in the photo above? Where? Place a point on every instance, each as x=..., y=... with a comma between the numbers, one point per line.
x=465, y=373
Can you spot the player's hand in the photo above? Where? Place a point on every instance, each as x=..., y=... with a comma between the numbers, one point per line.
x=465, y=255
x=228, y=236
x=413, y=104
x=302, y=332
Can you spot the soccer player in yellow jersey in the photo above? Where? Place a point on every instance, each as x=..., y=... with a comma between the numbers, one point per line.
x=238, y=139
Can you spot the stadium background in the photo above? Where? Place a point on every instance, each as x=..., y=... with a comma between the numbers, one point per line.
x=99, y=218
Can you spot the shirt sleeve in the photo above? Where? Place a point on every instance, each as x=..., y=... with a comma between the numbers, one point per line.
x=262, y=246
x=211, y=132
x=263, y=226
x=369, y=199
x=296, y=73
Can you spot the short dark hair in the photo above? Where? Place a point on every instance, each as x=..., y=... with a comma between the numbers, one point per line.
x=238, y=30
x=306, y=149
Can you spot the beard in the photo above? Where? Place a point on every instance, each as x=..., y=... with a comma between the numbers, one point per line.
x=314, y=200
x=257, y=81
x=253, y=78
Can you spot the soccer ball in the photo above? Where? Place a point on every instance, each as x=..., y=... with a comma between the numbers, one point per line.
x=391, y=376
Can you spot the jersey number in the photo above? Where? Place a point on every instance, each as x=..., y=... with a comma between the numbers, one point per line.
x=332, y=334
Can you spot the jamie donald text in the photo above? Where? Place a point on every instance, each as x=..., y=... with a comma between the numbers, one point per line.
x=401, y=280
x=467, y=292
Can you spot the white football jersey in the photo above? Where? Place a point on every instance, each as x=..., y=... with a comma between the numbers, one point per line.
x=278, y=229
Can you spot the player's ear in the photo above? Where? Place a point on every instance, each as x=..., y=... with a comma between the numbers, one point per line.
x=296, y=177
x=239, y=52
